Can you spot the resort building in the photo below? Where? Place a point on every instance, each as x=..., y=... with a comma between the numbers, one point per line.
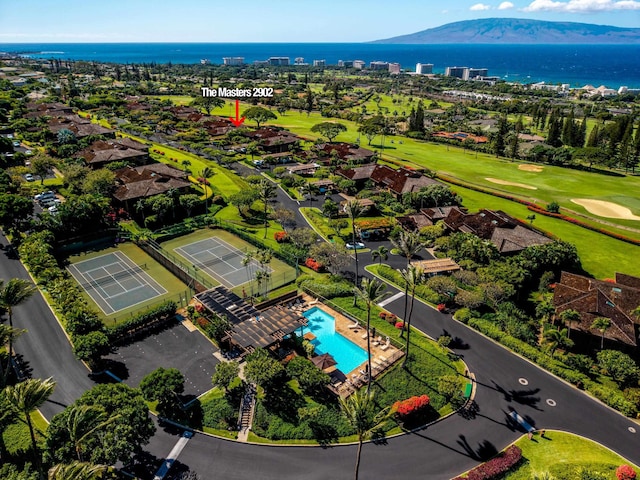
x=100, y=153
x=424, y=68
x=135, y=183
x=376, y=65
x=358, y=64
x=233, y=60
x=345, y=63
x=394, y=68
x=278, y=61
x=398, y=182
x=319, y=63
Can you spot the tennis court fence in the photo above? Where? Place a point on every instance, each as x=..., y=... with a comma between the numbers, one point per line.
x=186, y=273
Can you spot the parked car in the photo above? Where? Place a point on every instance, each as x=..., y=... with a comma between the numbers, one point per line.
x=355, y=246
x=28, y=152
x=44, y=195
x=50, y=202
x=16, y=143
x=53, y=210
x=29, y=178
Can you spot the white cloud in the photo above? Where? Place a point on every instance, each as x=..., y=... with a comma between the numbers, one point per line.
x=581, y=6
x=479, y=6
x=505, y=6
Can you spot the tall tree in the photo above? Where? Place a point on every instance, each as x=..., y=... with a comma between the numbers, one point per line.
x=409, y=244
x=205, y=174
x=569, y=317
x=12, y=294
x=266, y=191
x=354, y=209
x=361, y=412
x=163, y=385
x=381, y=253
x=26, y=397
x=602, y=324
x=412, y=277
x=556, y=339
x=329, y=129
x=259, y=115
x=370, y=292
x=500, y=136
x=83, y=423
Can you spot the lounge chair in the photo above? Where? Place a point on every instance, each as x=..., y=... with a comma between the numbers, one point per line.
x=378, y=340
x=386, y=345
x=313, y=302
x=365, y=335
x=354, y=325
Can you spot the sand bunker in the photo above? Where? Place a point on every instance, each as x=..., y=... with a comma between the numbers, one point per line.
x=605, y=209
x=513, y=184
x=530, y=168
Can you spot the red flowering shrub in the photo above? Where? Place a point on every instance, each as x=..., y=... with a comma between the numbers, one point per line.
x=497, y=466
x=410, y=405
x=441, y=307
x=625, y=472
x=382, y=315
x=313, y=265
x=399, y=325
x=202, y=322
x=280, y=236
x=199, y=308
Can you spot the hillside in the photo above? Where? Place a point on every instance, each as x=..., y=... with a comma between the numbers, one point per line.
x=520, y=31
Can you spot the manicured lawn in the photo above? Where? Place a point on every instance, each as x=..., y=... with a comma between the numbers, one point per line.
x=16, y=436
x=601, y=256
x=176, y=290
x=175, y=99
x=562, y=454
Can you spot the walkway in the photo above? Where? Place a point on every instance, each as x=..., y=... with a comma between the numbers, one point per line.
x=173, y=456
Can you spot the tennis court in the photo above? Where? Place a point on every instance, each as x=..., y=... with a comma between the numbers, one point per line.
x=115, y=282
x=218, y=259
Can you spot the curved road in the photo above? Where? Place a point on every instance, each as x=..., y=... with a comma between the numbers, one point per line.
x=438, y=452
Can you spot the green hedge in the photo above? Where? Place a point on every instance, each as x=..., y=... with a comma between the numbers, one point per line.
x=328, y=289
x=612, y=397
x=157, y=317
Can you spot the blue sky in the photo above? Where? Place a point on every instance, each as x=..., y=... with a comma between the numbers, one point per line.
x=46, y=21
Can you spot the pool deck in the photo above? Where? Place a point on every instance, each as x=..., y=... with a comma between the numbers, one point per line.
x=383, y=353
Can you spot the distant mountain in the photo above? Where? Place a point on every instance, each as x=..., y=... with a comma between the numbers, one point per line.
x=520, y=30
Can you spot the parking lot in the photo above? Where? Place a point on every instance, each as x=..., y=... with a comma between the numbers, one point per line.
x=177, y=347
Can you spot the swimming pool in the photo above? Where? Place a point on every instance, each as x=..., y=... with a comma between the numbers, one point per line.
x=348, y=355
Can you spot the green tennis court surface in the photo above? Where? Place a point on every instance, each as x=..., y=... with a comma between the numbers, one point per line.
x=217, y=258
x=115, y=282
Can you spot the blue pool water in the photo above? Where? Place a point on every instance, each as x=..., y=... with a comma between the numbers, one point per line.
x=348, y=355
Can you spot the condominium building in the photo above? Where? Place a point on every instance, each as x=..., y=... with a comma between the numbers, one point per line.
x=358, y=64
x=233, y=60
x=424, y=68
x=319, y=63
x=276, y=61
x=394, y=68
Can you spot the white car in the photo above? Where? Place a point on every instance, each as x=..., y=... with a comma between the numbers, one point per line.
x=29, y=178
x=355, y=246
x=53, y=209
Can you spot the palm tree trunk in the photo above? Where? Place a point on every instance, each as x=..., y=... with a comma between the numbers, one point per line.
x=358, y=458
x=369, y=346
x=33, y=442
x=602, y=341
x=5, y=377
x=406, y=305
x=355, y=251
x=406, y=357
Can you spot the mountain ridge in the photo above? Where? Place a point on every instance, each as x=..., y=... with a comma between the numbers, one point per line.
x=519, y=31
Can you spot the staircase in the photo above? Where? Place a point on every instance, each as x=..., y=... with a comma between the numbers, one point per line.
x=246, y=413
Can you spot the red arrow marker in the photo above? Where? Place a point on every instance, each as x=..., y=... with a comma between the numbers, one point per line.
x=238, y=120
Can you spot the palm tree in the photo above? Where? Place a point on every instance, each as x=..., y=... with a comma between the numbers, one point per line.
x=15, y=292
x=381, y=253
x=556, y=339
x=26, y=397
x=266, y=191
x=354, y=209
x=360, y=411
x=247, y=262
x=569, y=317
x=371, y=291
x=309, y=189
x=205, y=173
x=140, y=204
x=412, y=278
x=409, y=244
x=186, y=164
x=602, y=324
x=83, y=422
x=77, y=471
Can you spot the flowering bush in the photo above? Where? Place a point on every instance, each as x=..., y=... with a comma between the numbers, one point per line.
x=399, y=325
x=280, y=236
x=410, y=405
x=497, y=466
x=199, y=308
x=313, y=265
x=625, y=472
x=382, y=315
x=441, y=307
x=202, y=322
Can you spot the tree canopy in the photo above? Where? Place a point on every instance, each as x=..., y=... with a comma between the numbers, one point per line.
x=329, y=129
x=259, y=115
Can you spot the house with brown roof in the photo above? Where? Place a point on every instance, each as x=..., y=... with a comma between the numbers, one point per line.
x=461, y=136
x=426, y=217
x=593, y=298
x=101, y=153
x=79, y=126
x=345, y=151
x=398, y=182
x=508, y=234
x=274, y=140
x=134, y=183
x=217, y=126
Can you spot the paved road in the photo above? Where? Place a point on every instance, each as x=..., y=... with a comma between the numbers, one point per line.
x=438, y=452
x=45, y=349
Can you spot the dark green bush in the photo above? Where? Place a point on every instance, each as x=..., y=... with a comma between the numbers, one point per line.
x=219, y=413
x=156, y=318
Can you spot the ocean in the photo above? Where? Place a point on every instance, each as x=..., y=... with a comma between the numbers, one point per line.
x=577, y=65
